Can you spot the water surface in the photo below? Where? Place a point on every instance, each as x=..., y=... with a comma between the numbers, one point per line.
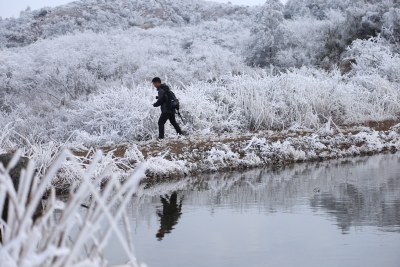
x=336, y=213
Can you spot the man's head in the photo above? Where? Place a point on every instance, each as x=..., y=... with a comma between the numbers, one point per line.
x=156, y=82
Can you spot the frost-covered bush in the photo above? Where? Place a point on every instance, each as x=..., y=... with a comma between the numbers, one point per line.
x=71, y=66
x=158, y=166
x=102, y=16
x=124, y=114
x=375, y=57
x=112, y=115
x=309, y=97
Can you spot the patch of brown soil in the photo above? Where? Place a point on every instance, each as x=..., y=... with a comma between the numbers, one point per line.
x=376, y=125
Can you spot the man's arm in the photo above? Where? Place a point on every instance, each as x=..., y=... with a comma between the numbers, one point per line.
x=160, y=101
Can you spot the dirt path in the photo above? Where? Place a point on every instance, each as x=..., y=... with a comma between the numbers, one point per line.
x=181, y=146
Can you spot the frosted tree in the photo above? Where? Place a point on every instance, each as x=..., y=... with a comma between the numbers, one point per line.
x=374, y=57
x=318, y=9
x=391, y=27
x=267, y=34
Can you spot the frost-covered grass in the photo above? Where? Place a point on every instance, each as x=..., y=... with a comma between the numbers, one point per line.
x=64, y=234
x=301, y=98
x=308, y=98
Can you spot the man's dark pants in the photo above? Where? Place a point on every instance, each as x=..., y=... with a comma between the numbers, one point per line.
x=163, y=119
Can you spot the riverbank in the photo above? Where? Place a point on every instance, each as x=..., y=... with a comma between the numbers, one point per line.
x=177, y=157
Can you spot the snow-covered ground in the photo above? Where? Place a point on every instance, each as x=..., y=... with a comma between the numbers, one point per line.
x=264, y=149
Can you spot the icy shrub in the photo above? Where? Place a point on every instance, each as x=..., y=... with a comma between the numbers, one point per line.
x=112, y=115
x=159, y=166
x=222, y=157
x=133, y=154
x=309, y=97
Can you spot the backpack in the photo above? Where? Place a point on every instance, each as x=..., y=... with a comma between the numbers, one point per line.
x=172, y=101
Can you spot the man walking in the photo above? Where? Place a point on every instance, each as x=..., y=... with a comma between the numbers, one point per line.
x=167, y=112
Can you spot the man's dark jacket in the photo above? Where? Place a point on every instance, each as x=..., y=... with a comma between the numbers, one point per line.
x=163, y=100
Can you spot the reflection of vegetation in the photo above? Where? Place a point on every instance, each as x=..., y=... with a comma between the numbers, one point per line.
x=358, y=205
x=347, y=208
x=171, y=212
x=354, y=192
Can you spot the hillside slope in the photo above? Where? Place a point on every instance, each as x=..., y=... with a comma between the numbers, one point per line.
x=104, y=15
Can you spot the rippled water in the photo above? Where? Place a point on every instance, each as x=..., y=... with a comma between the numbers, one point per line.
x=336, y=213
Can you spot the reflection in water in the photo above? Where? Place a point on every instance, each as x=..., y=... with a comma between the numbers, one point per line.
x=354, y=192
x=356, y=207
x=343, y=212
x=347, y=208
x=170, y=214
